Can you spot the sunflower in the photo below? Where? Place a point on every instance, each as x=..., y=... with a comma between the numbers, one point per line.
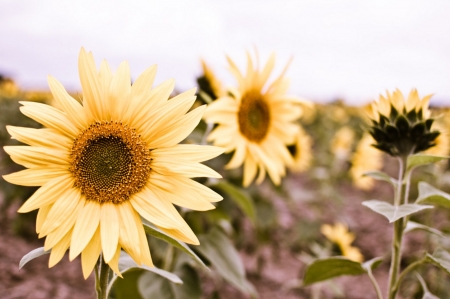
x=402, y=126
x=257, y=121
x=302, y=152
x=105, y=163
x=339, y=235
x=209, y=83
x=365, y=158
x=342, y=142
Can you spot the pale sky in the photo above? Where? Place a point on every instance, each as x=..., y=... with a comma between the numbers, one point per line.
x=351, y=49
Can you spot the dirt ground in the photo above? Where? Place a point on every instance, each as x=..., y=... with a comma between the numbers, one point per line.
x=279, y=276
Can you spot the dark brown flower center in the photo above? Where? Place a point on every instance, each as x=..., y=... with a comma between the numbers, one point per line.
x=254, y=116
x=110, y=162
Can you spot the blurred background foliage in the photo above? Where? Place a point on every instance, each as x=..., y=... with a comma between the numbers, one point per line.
x=249, y=220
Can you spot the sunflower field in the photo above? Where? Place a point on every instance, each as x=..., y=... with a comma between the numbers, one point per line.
x=129, y=189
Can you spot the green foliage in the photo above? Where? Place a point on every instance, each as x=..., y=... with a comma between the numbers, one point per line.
x=422, y=159
x=440, y=258
x=430, y=195
x=32, y=255
x=220, y=252
x=381, y=176
x=391, y=212
x=327, y=268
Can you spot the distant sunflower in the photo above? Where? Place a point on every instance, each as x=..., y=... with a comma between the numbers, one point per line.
x=107, y=162
x=302, y=152
x=257, y=122
x=364, y=159
x=209, y=83
x=341, y=144
x=339, y=235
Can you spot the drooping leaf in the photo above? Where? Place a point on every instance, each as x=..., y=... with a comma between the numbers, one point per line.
x=391, y=212
x=431, y=195
x=220, y=252
x=422, y=159
x=440, y=258
x=327, y=268
x=155, y=232
x=127, y=287
x=32, y=255
x=151, y=286
x=381, y=176
x=240, y=197
x=426, y=293
x=372, y=264
x=411, y=225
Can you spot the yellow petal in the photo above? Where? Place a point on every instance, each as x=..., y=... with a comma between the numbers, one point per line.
x=59, y=249
x=90, y=254
x=90, y=85
x=188, y=152
x=85, y=227
x=35, y=176
x=41, y=216
x=114, y=263
x=249, y=171
x=109, y=224
x=104, y=78
x=48, y=193
x=40, y=137
x=33, y=156
x=129, y=234
x=120, y=92
x=145, y=258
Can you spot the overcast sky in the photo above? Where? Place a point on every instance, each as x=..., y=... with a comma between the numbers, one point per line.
x=351, y=49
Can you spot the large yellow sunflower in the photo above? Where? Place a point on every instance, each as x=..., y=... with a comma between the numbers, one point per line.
x=105, y=163
x=257, y=121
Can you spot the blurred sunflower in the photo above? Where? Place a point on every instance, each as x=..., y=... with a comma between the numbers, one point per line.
x=302, y=152
x=442, y=142
x=339, y=235
x=257, y=122
x=341, y=144
x=209, y=83
x=365, y=158
x=107, y=162
x=402, y=126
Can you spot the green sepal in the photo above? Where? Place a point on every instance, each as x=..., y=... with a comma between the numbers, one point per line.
x=402, y=125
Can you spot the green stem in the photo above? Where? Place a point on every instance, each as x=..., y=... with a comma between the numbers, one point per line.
x=168, y=259
x=375, y=284
x=101, y=279
x=407, y=270
x=401, y=192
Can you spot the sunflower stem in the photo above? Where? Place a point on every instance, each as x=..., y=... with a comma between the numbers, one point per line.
x=401, y=194
x=101, y=279
x=168, y=259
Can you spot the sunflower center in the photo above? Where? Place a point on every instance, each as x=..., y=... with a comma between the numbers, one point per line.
x=254, y=116
x=109, y=162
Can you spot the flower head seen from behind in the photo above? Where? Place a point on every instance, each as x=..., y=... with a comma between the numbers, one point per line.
x=402, y=126
x=257, y=121
x=103, y=164
x=339, y=235
x=209, y=83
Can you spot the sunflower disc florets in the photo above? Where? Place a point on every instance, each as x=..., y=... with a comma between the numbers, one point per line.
x=401, y=127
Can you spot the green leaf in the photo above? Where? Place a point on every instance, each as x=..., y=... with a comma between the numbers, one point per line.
x=426, y=293
x=422, y=159
x=327, y=268
x=381, y=176
x=411, y=225
x=127, y=287
x=32, y=255
x=440, y=258
x=152, y=286
x=393, y=213
x=155, y=232
x=240, y=197
x=372, y=264
x=218, y=249
x=431, y=195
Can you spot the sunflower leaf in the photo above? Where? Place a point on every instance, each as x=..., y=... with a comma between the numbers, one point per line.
x=155, y=232
x=240, y=197
x=152, y=286
x=393, y=213
x=32, y=255
x=327, y=268
x=372, y=264
x=411, y=225
x=431, y=195
x=440, y=258
x=421, y=159
x=426, y=293
x=220, y=252
x=381, y=176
